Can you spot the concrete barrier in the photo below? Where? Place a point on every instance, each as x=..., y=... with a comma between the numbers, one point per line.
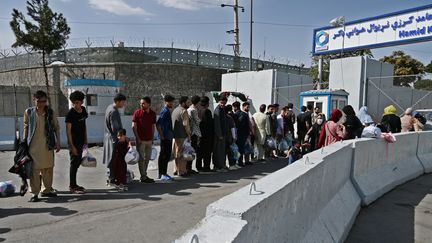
x=311, y=200
x=424, y=150
x=378, y=166
x=7, y=133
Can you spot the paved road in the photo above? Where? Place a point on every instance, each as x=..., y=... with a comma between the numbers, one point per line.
x=146, y=213
x=403, y=215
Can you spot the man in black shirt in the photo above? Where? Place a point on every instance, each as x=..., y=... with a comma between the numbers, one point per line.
x=77, y=137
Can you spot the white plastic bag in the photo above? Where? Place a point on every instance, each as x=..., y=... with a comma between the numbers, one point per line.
x=88, y=160
x=129, y=176
x=132, y=156
x=188, y=151
x=153, y=155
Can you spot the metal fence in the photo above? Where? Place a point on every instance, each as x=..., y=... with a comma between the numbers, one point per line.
x=115, y=51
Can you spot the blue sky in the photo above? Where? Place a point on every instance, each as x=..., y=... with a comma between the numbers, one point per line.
x=160, y=21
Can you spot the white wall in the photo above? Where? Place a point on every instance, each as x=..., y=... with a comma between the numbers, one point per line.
x=317, y=198
x=268, y=86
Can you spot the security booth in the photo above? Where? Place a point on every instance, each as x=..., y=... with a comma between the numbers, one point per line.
x=326, y=100
x=99, y=93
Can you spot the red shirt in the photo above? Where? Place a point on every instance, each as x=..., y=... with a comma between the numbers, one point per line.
x=144, y=122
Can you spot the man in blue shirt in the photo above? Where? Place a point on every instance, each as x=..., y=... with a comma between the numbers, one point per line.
x=165, y=129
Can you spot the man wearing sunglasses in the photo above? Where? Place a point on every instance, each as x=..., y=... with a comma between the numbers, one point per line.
x=42, y=133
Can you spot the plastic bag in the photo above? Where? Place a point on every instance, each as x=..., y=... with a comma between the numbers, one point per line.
x=88, y=160
x=248, y=148
x=283, y=145
x=270, y=143
x=132, y=156
x=153, y=155
x=6, y=188
x=188, y=151
x=235, y=151
x=129, y=176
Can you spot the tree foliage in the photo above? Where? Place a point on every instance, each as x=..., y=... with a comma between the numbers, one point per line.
x=326, y=63
x=404, y=65
x=424, y=84
x=45, y=32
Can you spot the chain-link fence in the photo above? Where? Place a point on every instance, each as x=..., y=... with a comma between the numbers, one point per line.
x=401, y=91
x=103, y=50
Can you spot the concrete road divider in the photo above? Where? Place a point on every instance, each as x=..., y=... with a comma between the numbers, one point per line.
x=424, y=150
x=308, y=201
x=380, y=166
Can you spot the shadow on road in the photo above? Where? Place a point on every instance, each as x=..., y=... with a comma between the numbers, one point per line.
x=151, y=192
x=54, y=211
x=392, y=217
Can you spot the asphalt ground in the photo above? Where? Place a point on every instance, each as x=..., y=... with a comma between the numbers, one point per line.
x=159, y=212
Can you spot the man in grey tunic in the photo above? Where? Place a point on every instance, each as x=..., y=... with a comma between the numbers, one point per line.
x=113, y=124
x=221, y=129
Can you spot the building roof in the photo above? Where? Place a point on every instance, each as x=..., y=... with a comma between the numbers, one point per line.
x=340, y=92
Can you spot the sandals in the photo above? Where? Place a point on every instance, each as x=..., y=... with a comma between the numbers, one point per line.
x=77, y=189
x=122, y=188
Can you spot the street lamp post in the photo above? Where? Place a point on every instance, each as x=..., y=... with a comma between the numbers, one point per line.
x=235, y=31
x=250, y=36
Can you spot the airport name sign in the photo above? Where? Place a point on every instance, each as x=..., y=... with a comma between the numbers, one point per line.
x=403, y=27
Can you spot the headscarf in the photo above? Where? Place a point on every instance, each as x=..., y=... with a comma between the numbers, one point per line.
x=409, y=111
x=390, y=110
x=335, y=115
x=349, y=110
x=364, y=116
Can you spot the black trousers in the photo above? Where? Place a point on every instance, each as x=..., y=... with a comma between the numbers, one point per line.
x=204, y=153
x=75, y=162
x=164, y=156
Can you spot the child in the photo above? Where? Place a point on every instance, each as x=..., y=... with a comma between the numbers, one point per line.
x=119, y=164
x=294, y=153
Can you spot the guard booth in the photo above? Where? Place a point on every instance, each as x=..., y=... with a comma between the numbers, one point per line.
x=326, y=100
x=99, y=93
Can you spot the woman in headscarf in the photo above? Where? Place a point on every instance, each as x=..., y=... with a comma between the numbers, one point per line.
x=363, y=115
x=390, y=122
x=313, y=135
x=407, y=121
x=332, y=131
x=352, y=124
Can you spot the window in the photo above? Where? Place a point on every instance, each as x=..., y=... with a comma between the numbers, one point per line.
x=341, y=104
x=310, y=103
x=319, y=105
x=334, y=105
x=92, y=100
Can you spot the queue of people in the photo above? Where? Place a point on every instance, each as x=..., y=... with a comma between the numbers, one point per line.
x=228, y=134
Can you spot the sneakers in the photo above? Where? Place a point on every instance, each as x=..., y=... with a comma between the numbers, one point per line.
x=233, y=167
x=35, y=198
x=147, y=180
x=166, y=178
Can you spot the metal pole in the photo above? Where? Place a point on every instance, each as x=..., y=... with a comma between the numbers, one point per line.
x=236, y=31
x=320, y=72
x=250, y=36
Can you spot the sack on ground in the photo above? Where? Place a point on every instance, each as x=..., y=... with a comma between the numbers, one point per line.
x=88, y=160
x=6, y=188
x=132, y=156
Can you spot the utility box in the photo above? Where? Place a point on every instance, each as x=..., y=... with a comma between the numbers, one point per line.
x=99, y=93
x=326, y=100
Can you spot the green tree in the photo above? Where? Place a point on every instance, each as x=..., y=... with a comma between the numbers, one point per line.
x=313, y=72
x=404, y=65
x=45, y=32
x=424, y=84
x=428, y=68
